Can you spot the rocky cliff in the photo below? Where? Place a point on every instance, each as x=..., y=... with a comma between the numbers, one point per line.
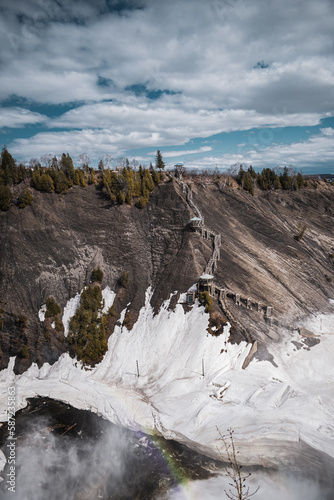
x=51, y=248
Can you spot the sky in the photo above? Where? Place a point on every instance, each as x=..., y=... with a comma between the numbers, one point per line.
x=210, y=84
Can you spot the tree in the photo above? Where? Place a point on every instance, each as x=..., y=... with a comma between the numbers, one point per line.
x=240, y=488
x=66, y=165
x=4, y=198
x=101, y=165
x=97, y=274
x=52, y=308
x=8, y=171
x=285, y=179
x=159, y=163
x=25, y=198
x=247, y=183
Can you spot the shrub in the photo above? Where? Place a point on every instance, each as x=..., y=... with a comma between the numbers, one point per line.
x=301, y=231
x=59, y=324
x=25, y=198
x=127, y=319
x=97, y=275
x=23, y=321
x=52, y=308
x=25, y=351
x=205, y=300
x=111, y=311
x=4, y=198
x=124, y=280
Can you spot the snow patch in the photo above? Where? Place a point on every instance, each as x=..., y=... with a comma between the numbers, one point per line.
x=53, y=325
x=41, y=313
x=69, y=311
x=109, y=297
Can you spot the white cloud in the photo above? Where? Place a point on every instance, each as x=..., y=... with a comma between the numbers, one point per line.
x=317, y=150
x=205, y=52
x=18, y=117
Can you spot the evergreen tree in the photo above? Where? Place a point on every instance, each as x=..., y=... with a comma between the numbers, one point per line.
x=4, y=198
x=285, y=179
x=66, y=165
x=247, y=183
x=159, y=163
x=8, y=171
x=25, y=198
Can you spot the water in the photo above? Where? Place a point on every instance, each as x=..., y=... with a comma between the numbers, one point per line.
x=63, y=453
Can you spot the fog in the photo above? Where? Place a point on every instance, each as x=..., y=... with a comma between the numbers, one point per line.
x=54, y=467
x=273, y=486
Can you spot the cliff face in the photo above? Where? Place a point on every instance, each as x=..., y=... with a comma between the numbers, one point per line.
x=51, y=248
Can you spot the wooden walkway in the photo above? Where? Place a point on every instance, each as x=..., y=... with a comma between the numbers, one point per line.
x=217, y=291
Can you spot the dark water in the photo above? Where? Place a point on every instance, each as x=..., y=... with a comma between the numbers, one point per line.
x=63, y=453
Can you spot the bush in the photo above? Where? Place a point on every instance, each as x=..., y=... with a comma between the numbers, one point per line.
x=25, y=198
x=25, y=351
x=4, y=198
x=87, y=333
x=127, y=319
x=97, y=275
x=52, y=308
x=124, y=280
x=59, y=324
x=301, y=231
x=205, y=300
x=111, y=311
x=23, y=321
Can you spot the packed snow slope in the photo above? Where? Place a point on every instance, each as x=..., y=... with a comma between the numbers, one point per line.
x=282, y=415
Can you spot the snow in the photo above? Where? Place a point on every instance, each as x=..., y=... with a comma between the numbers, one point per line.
x=109, y=297
x=69, y=311
x=53, y=325
x=270, y=408
x=41, y=313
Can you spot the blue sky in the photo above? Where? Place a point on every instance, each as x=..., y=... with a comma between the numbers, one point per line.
x=210, y=84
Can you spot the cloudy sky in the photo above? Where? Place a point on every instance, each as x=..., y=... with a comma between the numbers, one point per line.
x=210, y=83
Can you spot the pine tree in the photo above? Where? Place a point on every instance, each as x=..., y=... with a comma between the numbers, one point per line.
x=25, y=198
x=4, y=198
x=159, y=163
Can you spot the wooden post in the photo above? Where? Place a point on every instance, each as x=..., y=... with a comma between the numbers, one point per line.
x=202, y=367
x=137, y=367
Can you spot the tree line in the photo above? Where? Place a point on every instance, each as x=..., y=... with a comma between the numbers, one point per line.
x=268, y=179
x=122, y=185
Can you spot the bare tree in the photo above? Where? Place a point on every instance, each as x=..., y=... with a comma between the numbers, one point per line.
x=107, y=160
x=46, y=160
x=239, y=489
x=84, y=160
